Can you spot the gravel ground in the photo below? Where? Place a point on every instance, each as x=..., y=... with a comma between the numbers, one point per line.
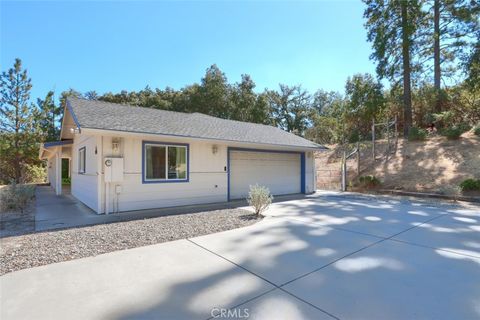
x=38, y=249
x=16, y=223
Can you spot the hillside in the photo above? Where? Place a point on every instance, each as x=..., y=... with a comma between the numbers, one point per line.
x=436, y=165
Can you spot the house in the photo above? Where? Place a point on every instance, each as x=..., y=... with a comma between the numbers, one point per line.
x=125, y=158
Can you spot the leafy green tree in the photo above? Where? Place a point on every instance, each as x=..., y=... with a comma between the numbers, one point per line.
x=324, y=100
x=328, y=125
x=290, y=107
x=392, y=27
x=365, y=100
x=17, y=123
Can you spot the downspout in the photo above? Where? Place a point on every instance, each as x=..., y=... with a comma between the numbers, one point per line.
x=107, y=209
x=99, y=154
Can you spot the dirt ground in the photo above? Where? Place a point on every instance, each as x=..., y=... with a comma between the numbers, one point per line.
x=14, y=222
x=436, y=165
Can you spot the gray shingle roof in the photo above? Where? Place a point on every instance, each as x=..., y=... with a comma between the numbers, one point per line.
x=111, y=116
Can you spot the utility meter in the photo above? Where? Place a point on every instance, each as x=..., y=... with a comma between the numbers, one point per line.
x=113, y=169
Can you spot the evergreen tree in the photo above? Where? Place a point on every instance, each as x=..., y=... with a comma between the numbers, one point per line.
x=17, y=123
x=472, y=67
x=455, y=24
x=49, y=116
x=214, y=94
x=392, y=28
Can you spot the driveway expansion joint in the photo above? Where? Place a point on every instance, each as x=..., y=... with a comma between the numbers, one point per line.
x=275, y=286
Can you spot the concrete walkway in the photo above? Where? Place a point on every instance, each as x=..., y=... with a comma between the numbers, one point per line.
x=328, y=256
x=65, y=211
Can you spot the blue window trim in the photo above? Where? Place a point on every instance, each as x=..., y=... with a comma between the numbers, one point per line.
x=302, y=164
x=144, y=181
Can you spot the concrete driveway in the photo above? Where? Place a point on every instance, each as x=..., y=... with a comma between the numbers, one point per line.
x=323, y=257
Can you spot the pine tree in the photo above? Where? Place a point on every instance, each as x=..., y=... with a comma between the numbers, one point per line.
x=214, y=94
x=455, y=25
x=17, y=122
x=49, y=117
x=392, y=28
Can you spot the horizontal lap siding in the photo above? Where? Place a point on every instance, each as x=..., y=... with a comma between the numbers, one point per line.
x=84, y=186
x=200, y=189
x=207, y=178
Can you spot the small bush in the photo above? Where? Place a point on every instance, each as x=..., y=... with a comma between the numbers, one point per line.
x=444, y=118
x=464, y=127
x=33, y=174
x=368, y=181
x=16, y=196
x=66, y=180
x=452, y=133
x=476, y=130
x=470, y=185
x=259, y=198
x=450, y=190
x=417, y=134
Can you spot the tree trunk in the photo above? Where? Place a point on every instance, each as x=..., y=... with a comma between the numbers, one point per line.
x=16, y=165
x=436, y=55
x=407, y=93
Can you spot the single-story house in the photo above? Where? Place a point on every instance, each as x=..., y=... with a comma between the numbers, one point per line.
x=124, y=158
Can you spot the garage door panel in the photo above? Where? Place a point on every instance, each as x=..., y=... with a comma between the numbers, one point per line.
x=280, y=172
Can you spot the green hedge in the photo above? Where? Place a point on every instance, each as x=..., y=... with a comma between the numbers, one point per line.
x=417, y=134
x=470, y=185
x=368, y=181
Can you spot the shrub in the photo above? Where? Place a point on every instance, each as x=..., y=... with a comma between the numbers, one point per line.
x=470, y=185
x=464, y=127
x=476, y=129
x=67, y=180
x=416, y=134
x=451, y=190
x=34, y=174
x=444, y=118
x=259, y=198
x=452, y=133
x=368, y=181
x=16, y=196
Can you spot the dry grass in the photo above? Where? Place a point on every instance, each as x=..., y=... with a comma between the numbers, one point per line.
x=436, y=165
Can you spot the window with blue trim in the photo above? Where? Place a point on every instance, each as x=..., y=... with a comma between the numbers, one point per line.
x=82, y=159
x=165, y=162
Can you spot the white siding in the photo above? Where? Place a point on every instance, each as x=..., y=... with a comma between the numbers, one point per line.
x=207, y=178
x=51, y=167
x=310, y=183
x=84, y=186
x=207, y=174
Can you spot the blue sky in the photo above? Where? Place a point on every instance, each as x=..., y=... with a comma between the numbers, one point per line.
x=110, y=46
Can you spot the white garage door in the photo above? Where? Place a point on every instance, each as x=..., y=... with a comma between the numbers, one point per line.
x=280, y=172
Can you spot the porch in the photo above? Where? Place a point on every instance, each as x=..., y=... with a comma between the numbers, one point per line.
x=58, y=155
